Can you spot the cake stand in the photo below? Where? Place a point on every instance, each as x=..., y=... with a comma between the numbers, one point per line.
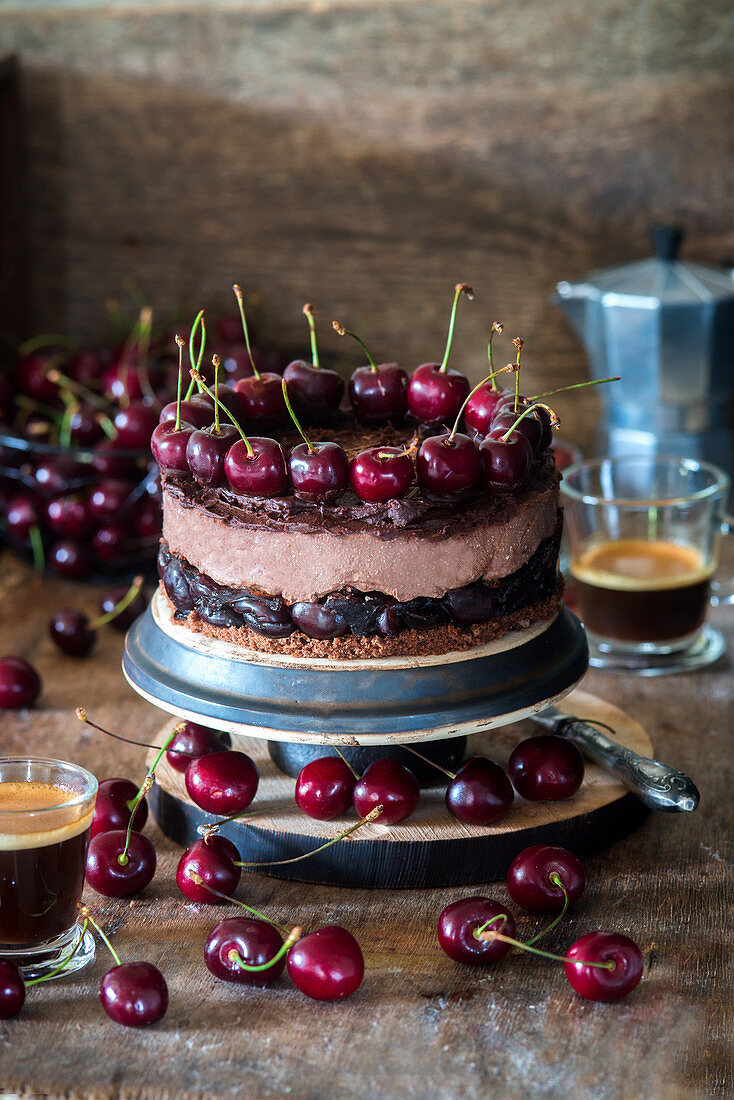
x=286, y=710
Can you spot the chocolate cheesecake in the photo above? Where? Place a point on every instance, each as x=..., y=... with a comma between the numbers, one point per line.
x=410, y=576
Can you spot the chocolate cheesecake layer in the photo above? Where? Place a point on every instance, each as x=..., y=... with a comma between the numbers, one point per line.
x=409, y=548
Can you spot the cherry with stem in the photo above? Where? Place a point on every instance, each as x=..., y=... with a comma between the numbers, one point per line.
x=436, y=393
x=319, y=471
x=260, y=395
x=132, y=994
x=366, y=820
x=479, y=792
x=316, y=392
x=75, y=634
x=378, y=393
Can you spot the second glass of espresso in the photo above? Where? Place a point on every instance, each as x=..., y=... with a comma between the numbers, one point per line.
x=46, y=810
x=643, y=535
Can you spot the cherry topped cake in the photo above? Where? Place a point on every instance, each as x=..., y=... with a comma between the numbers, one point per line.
x=411, y=516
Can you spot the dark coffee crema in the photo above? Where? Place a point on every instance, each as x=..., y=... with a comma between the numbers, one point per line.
x=642, y=591
x=43, y=852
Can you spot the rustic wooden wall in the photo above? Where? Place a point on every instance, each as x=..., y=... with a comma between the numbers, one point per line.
x=367, y=154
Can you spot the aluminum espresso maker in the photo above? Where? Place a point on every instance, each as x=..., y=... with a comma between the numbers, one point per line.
x=667, y=328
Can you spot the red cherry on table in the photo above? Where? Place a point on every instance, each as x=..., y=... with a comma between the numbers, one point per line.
x=596, y=983
x=134, y=994
x=213, y=860
x=327, y=964
x=191, y=741
x=206, y=451
x=192, y=412
x=481, y=407
x=112, y=808
x=319, y=471
x=480, y=793
x=69, y=558
x=379, y=393
x=124, y=619
x=546, y=768
x=316, y=392
x=168, y=444
x=324, y=788
x=69, y=630
x=222, y=783
x=113, y=879
x=260, y=474
x=20, y=684
x=388, y=784
x=505, y=463
x=255, y=941
x=20, y=515
x=435, y=396
x=448, y=465
x=134, y=425
x=380, y=474
x=69, y=516
x=533, y=874
x=12, y=989
x=459, y=923
x=262, y=399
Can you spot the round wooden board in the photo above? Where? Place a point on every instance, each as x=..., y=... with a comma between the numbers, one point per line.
x=431, y=848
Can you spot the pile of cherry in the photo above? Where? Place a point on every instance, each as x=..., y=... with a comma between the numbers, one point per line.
x=327, y=963
x=504, y=431
x=78, y=488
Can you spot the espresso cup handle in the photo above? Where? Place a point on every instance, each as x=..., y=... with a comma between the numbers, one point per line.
x=723, y=591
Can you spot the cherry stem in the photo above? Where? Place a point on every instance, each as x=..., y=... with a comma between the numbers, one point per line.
x=198, y=378
x=106, y=425
x=578, y=386
x=103, y=936
x=179, y=384
x=408, y=748
x=477, y=933
x=39, y=554
x=459, y=289
x=490, y=934
x=198, y=323
x=305, y=855
x=490, y=378
x=31, y=405
x=214, y=826
x=119, y=607
x=58, y=378
x=353, y=770
x=497, y=326
x=235, y=957
x=538, y=404
x=295, y=419
x=518, y=344
x=309, y=311
x=145, y=324
x=238, y=295
x=64, y=964
x=135, y=802
x=339, y=327
x=196, y=878
x=82, y=716
x=555, y=878
x=215, y=363
x=70, y=407
x=46, y=340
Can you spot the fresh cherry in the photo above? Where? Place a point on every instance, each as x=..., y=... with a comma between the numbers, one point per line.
x=108, y=499
x=107, y=875
x=113, y=806
x=70, y=516
x=261, y=398
x=388, y=784
x=111, y=541
x=54, y=476
x=505, y=462
x=134, y=994
x=539, y=875
x=212, y=860
x=124, y=619
x=327, y=964
x=12, y=989
x=70, y=631
x=206, y=451
x=435, y=393
x=20, y=515
x=20, y=684
x=448, y=465
x=319, y=471
x=193, y=413
x=259, y=471
x=316, y=393
x=460, y=923
x=191, y=741
x=481, y=407
x=596, y=983
x=134, y=425
x=324, y=788
x=69, y=559
x=84, y=426
x=379, y=393
x=108, y=462
x=380, y=473
x=146, y=518
x=529, y=426
x=226, y=396
x=480, y=793
x=222, y=783
x=168, y=444
x=255, y=941
x=546, y=768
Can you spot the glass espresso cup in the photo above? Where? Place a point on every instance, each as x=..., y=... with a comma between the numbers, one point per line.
x=643, y=539
x=46, y=810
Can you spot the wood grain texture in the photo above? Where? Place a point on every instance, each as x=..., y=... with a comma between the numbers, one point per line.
x=366, y=155
x=421, y=1026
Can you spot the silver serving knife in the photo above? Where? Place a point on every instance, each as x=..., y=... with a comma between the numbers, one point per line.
x=657, y=785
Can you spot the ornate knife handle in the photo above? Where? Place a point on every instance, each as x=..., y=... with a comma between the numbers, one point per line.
x=657, y=785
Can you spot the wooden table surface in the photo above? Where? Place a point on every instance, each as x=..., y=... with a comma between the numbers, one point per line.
x=420, y=1026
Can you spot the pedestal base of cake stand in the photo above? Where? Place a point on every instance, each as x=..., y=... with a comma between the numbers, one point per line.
x=431, y=848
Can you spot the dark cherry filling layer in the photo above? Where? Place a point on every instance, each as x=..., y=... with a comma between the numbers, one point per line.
x=353, y=612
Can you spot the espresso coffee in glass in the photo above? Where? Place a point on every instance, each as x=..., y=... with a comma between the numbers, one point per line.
x=46, y=810
x=643, y=537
